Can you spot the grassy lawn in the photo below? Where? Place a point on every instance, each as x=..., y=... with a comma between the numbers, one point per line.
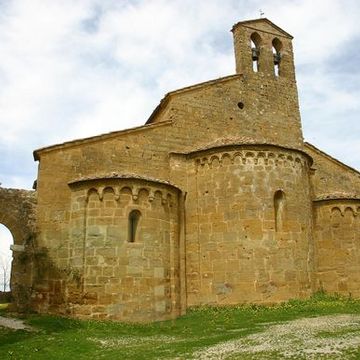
x=184, y=338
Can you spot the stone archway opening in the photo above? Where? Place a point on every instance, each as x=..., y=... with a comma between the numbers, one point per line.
x=6, y=242
x=17, y=214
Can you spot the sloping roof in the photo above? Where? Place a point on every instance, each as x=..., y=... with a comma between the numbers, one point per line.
x=322, y=153
x=117, y=176
x=248, y=23
x=95, y=138
x=163, y=103
x=167, y=96
x=240, y=142
x=149, y=124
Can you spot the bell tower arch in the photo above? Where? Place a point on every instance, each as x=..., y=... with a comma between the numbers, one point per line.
x=262, y=41
x=265, y=64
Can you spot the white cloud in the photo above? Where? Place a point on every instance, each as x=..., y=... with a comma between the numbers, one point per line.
x=71, y=69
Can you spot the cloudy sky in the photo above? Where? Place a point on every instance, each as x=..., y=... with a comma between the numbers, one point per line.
x=77, y=68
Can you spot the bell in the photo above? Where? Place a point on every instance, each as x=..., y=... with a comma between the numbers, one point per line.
x=255, y=54
x=277, y=58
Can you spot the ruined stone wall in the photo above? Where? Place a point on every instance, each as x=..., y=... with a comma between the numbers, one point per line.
x=337, y=246
x=240, y=245
x=105, y=275
x=18, y=214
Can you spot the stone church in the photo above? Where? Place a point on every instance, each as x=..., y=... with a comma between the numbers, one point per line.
x=216, y=200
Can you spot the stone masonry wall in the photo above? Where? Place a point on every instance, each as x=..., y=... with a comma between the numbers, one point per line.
x=265, y=34
x=248, y=109
x=195, y=119
x=239, y=212
x=331, y=176
x=18, y=214
x=103, y=274
x=235, y=251
x=337, y=246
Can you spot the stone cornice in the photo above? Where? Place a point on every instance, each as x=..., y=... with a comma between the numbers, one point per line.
x=37, y=153
x=337, y=196
x=235, y=145
x=116, y=176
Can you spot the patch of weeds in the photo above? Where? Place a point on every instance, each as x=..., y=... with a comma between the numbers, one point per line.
x=4, y=308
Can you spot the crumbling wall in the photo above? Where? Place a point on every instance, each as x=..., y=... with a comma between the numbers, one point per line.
x=17, y=213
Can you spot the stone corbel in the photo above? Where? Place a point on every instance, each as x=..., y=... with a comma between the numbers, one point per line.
x=135, y=193
x=151, y=196
x=117, y=193
x=101, y=192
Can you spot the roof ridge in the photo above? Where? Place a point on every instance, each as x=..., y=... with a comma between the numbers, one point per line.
x=246, y=22
x=98, y=137
x=166, y=97
x=313, y=147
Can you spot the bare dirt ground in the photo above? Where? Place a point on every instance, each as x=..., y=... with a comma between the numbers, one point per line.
x=14, y=324
x=325, y=337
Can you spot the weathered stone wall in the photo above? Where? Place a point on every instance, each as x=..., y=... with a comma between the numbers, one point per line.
x=236, y=252
x=265, y=33
x=254, y=108
x=104, y=274
x=337, y=246
x=247, y=108
x=225, y=193
x=18, y=213
x=337, y=227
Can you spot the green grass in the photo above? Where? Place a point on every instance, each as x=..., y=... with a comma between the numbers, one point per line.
x=62, y=338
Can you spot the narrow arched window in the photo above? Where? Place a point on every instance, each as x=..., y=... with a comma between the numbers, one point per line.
x=276, y=49
x=279, y=205
x=255, y=41
x=134, y=218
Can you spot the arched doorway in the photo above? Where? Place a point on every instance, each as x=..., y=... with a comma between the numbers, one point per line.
x=6, y=241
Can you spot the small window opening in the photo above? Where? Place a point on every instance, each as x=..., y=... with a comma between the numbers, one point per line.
x=276, y=49
x=134, y=218
x=279, y=204
x=255, y=50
